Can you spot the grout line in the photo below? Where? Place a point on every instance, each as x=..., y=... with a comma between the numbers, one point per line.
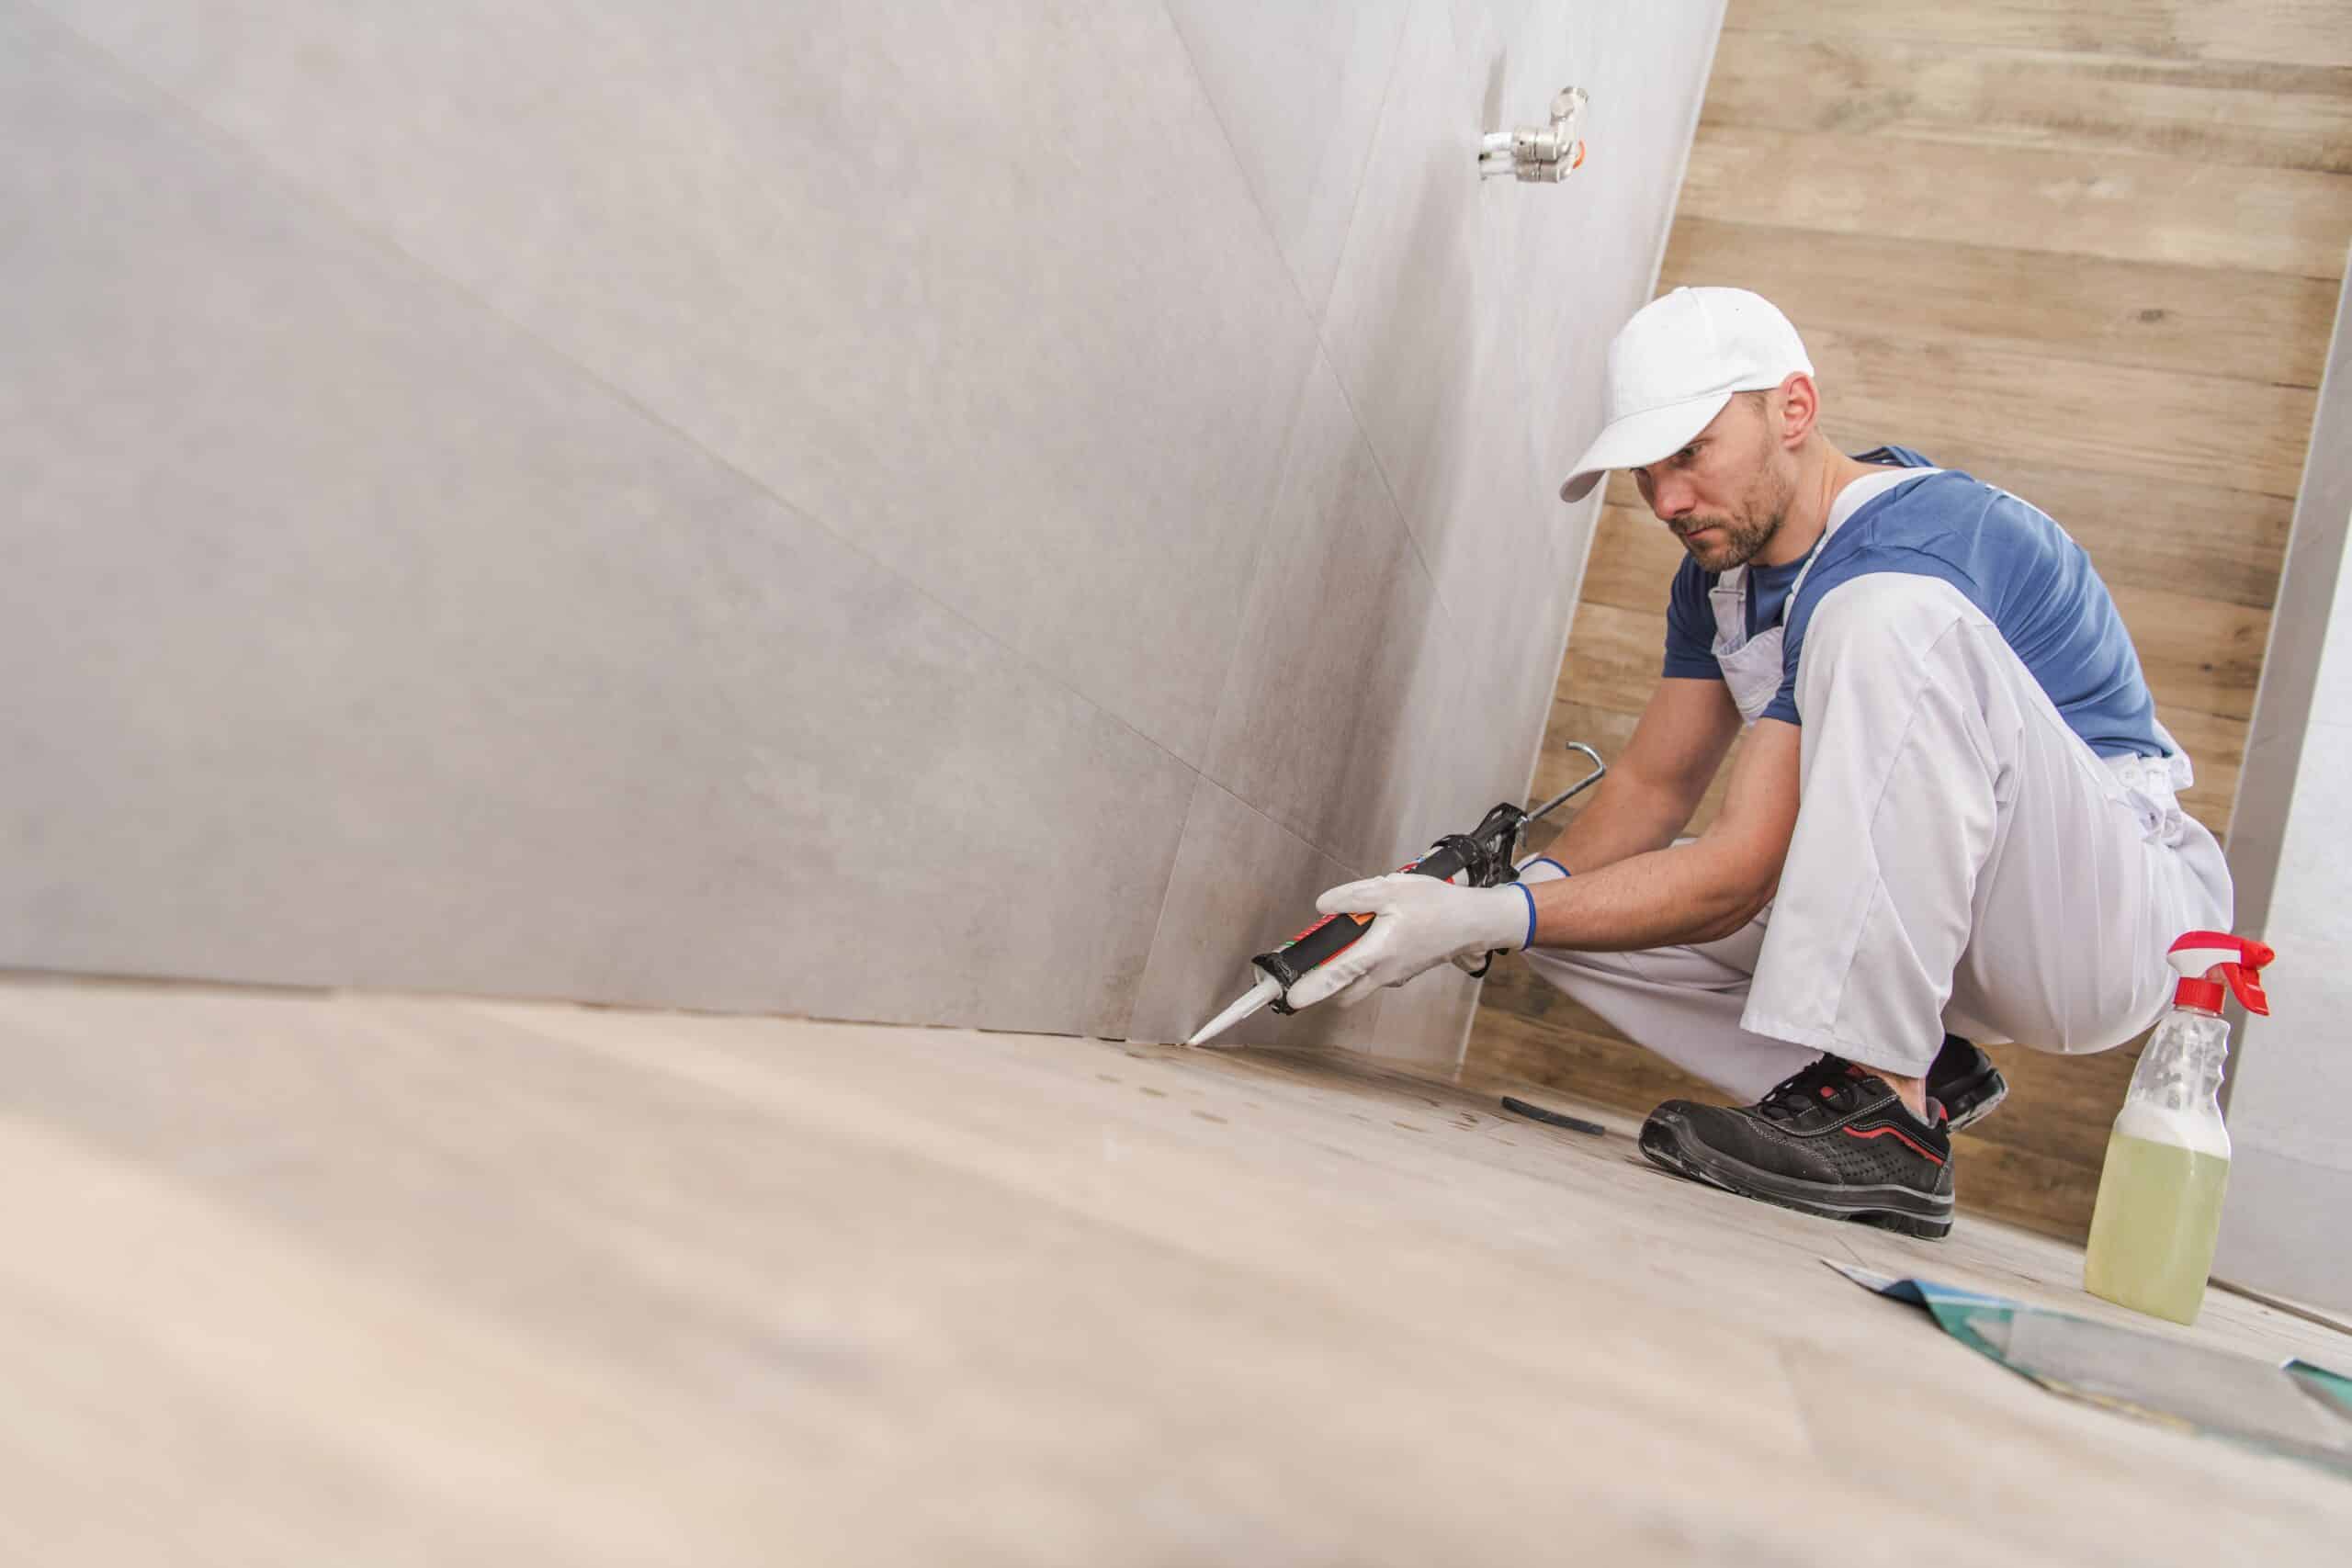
x=1260, y=540
x=1281, y=827
x=1347, y=393
x=2282, y=1304
x=1316, y=319
x=1159, y=921
x=1364, y=169
x=1160, y=916
x=1316, y=315
x=1261, y=545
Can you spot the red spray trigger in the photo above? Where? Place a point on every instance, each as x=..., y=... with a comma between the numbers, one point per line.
x=2201, y=956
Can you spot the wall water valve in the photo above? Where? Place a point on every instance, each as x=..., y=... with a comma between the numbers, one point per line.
x=1545, y=153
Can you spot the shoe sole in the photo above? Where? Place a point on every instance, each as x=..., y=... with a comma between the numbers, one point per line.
x=1899, y=1209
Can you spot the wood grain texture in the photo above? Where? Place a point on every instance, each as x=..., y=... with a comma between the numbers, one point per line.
x=2224, y=545
x=2141, y=531
x=2231, y=112
x=1607, y=730
x=2198, y=653
x=2282, y=32
x=2088, y=254
x=2201, y=430
x=2199, y=321
x=2125, y=206
x=1634, y=560
x=1613, y=657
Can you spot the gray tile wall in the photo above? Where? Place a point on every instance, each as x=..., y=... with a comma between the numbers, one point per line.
x=2284, y=1227
x=914, y=512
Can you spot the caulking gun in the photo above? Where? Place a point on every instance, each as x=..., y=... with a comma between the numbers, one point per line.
x=1480, y=858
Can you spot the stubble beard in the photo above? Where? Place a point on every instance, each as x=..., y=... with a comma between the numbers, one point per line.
x=1745, y=535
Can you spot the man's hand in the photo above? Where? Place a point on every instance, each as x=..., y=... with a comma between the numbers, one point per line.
x=1420, y=923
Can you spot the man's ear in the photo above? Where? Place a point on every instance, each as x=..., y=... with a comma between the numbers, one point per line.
x=1799, y=402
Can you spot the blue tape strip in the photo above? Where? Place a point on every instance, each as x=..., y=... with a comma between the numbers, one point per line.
x=1530, y=896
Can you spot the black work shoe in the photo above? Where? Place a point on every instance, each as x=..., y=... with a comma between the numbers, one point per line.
x=1831, y=1140
x=1967, y=1084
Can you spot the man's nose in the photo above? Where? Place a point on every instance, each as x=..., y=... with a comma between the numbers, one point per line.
x=1672, y=497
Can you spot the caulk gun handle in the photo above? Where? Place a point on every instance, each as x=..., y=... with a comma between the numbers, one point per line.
x=1334, y=934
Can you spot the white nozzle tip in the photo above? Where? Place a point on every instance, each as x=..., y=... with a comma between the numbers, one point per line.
x=1249, y=1002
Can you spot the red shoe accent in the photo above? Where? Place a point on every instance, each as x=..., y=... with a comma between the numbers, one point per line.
x=1913, y=1143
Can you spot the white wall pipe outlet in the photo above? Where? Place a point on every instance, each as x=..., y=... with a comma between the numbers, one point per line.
x=1545, y=153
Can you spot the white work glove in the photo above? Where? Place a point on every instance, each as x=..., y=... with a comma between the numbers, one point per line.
x=1420, y=923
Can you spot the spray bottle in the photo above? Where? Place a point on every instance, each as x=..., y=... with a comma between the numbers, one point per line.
x=2159, y=1210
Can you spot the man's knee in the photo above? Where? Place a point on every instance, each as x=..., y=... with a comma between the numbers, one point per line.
x=2103, y=1001
x=1877, y=636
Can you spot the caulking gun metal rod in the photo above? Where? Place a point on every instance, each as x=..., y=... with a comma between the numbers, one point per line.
x=1599, y=771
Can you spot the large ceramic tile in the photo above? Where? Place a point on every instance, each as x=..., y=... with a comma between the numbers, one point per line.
x=2287, y=1070
x=2305, y=657
x=1418, y=286
x=1448, y=788
x=1505, y=599
x=984, y=293
x=2305, y=667
x=2314, y=590
x=358, y=639
x=2258, y=825
x=2276, y=1209
x=1337, y=693
x=1528, y=683
x=1588, y=250
x=2303, y=633
x=1242, y=885
x=1298, y=86
x=2307, y=899
x=1487, y=544
x=1469, y=314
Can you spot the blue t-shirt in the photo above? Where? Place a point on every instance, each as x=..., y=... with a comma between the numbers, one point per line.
x=2010, y=560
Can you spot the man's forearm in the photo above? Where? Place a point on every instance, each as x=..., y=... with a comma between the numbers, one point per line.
x=1624, y=819
x=1656, y=898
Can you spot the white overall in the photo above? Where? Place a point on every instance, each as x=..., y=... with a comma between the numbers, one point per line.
x=1755, y=666
x=1961, y=861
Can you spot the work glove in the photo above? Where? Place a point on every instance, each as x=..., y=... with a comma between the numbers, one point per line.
x=1419, y=922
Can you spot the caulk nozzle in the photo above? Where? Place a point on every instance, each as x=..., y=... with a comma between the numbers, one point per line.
x=1250, y=1000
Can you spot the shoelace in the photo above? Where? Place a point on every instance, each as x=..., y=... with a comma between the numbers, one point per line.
x=1804, y=1087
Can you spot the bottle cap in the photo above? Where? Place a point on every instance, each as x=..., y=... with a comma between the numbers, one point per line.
x=2209, y=960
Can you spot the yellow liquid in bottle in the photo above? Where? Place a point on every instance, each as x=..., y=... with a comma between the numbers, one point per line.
x=2152, y=1236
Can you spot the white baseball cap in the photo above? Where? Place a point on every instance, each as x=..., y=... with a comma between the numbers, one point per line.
x=1674, y=366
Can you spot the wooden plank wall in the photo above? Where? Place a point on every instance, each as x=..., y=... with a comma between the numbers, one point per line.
x=2087, y=252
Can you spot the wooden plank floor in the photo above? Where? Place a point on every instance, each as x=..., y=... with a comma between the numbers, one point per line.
x=301, y=1279
x=2089, y=252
